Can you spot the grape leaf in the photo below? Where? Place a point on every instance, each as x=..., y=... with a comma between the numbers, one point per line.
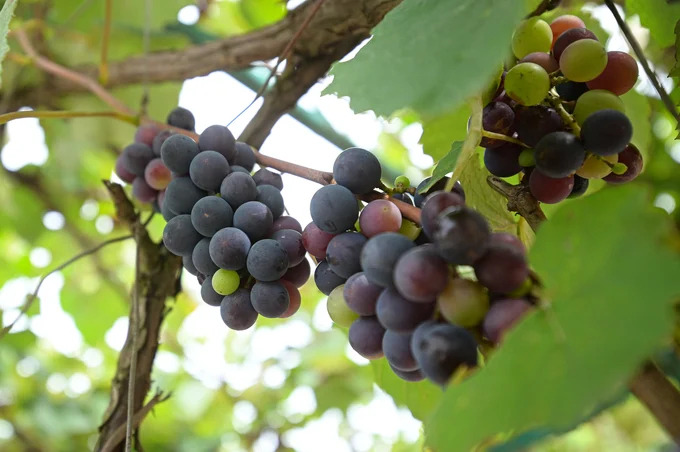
x=611, y=292
x=445, y=165
x=428, y=55
x=658, y=16
x=5, y=18
x=639, y=111
x=440, y=131
x=675, y=72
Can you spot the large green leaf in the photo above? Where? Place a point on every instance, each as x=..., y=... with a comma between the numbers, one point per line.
x=5, y=17
x=639, y=112
x=428, y=55
x=440, y=131
x=657, y=15
x=445, y=165
x=610, y=281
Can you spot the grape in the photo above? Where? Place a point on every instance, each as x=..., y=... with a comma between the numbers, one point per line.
x=632, y=158
x=266, y=177
x=502, y=269
x=146, y=133
x=120, y=170
x=208, y=169
x=201, y=258
x=420, y=274
x=271, y=197
x=399, y=314
x=379, y=216
x=188, y=265
x=292, y=243
x=463, y=302
x=182, y=119
x=253, y=218
x=403, y=197
x=316, y=241
x=338, y=310
x=527, y=84
x=461, y=235
x=285, y=222
x=201, y=278
x=596, y=100
x=219, y=139
x=237, y=311
x=159, y=139
x=237, y=189
x=181, y=195
x=294, y=299
x=569, y=91
x=606, y=132
x=441, y=349
x=412, y=376
x=564, y=23
x=229, y=248
x=402, y=182
x=580, y=187
x=167, y=213
x=409, y=229
x=238, y=169
x=503, y=161
x=531, y=35
x=569, y=37
x=325, y=279
x=267, y=260
x=526, y=158
x=157, y=175
x=142, y=191
x=397, y=349
x=434, y=205
x=245, y=157
x=502, y=316
x=299, y=274
x=549, y=190
x=358, y=170
x=270, y=299
x=497, y=117
x=505, y=238
x=334, y=209
x=583, y=60
x=365, y=337
x=559, y=154
x=177, y=153
x=208, y=294
x=361, y=295
x=545, y=60
x=135, y=157
x=595, y=167
x=533, y=123
x=619, y=76
x=380, y=255
x=179, y=236
x=343, y=253
x=225, y=282
x=210, y=214
x=438, y=186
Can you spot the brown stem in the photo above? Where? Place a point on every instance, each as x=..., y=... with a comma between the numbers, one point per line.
x=545, y=5
x=4, y=118
x=104, y=60
x=661, y=398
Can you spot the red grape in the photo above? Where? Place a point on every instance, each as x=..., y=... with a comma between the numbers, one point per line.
x=549, y=190
x=157, y=175
x=632, y=158
x=122, y=172
x=619, y=76
x=379, y=216
x=146, y=133
x=316, y=241
x=545, y=60
x=434, y=205
x=564, y=23
x=502, y=316
x=143, y=191
x=294, y=297
x=569, y=37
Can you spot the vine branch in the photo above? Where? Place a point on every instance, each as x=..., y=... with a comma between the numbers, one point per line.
x=7, y=117
x=104, y=59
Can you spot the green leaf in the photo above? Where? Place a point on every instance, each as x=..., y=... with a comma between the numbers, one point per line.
x=428, y=55
x=263, y=12
x=445, y=165
x=611, y=292
x=639, y=111
x=675, y=72
x=6, y=15
x=440, y=131
x=658, y=16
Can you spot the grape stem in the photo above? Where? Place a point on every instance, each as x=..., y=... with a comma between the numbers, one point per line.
x=554, y=101
x=501, y=137
x=558, y=79
x=5, y=118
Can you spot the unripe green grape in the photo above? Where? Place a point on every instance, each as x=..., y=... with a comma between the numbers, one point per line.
x=337, y=308
x=527, y=84
x=595, y=167
x=526, y=158
x=596, y=100
x=619, y=168
x=532, y=35
x=225, y=282
x=409, y=229
x=463, y=302
x=583, y=60
x=402, y=182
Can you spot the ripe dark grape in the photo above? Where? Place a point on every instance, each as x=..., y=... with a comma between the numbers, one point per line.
x=549, y=190
x=201, y=258
x=179, y=236
x=399, y=314
x=122, y=172
x=270, y=299
x=580, y=187
x=159, y=139
x=157, y=175
x=361, y=295
x=569, y=37
x=343, y=253
x=181, y=195
x=135, y=157
x=219, y=139
x=434, y=205
x=299, y=274
x=188, y=264
x=380, y=254
x=379, y=216
x=208, y=169
x=210, y=214
x=412, y=376
x=564, y=23
x=142, y=191
x=285, y=222
x=334, y=209
x=316, y=241
x=358, y=170
x=545, y=60
x=503, y=161
x=533, y=123
x=502, y=316
x=267, y=260
x=181, y=118
x=271, y=197
x=294, y=299
x=502, y=269
x=461, y=235
x=265, y=177
x=497, y=117
x=619, y=76
x=208, y=294
x=570, y=91
x=559, y=154
x=606, y=132
x=229, y=248
x=245, y=157
x=177, y=153
x=237, y=189
x=403, y=197
x=238, y=169
x=255, y=219
x=146, y=133
x=397, y=349
x=167, y=213
x=325, y=279
x=438, y=186
x=420, y=274
x=632, y=158
x=365, y=337
x=292, y=242
x=442, y=349
x=505, y=238
x=237, y=311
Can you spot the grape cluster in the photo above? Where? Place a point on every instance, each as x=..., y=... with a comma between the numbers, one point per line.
x=561, y=101
x=402, y=291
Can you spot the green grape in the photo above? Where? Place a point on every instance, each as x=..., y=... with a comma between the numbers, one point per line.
x=463, y=302
x=583, y=60
x=225, y=282
x=409, y=229
x=595, y=167
x=527, y=84
x=337, y=308
x=526, y=158
x=596, y=100
x=402, y=182
x=532, y=35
